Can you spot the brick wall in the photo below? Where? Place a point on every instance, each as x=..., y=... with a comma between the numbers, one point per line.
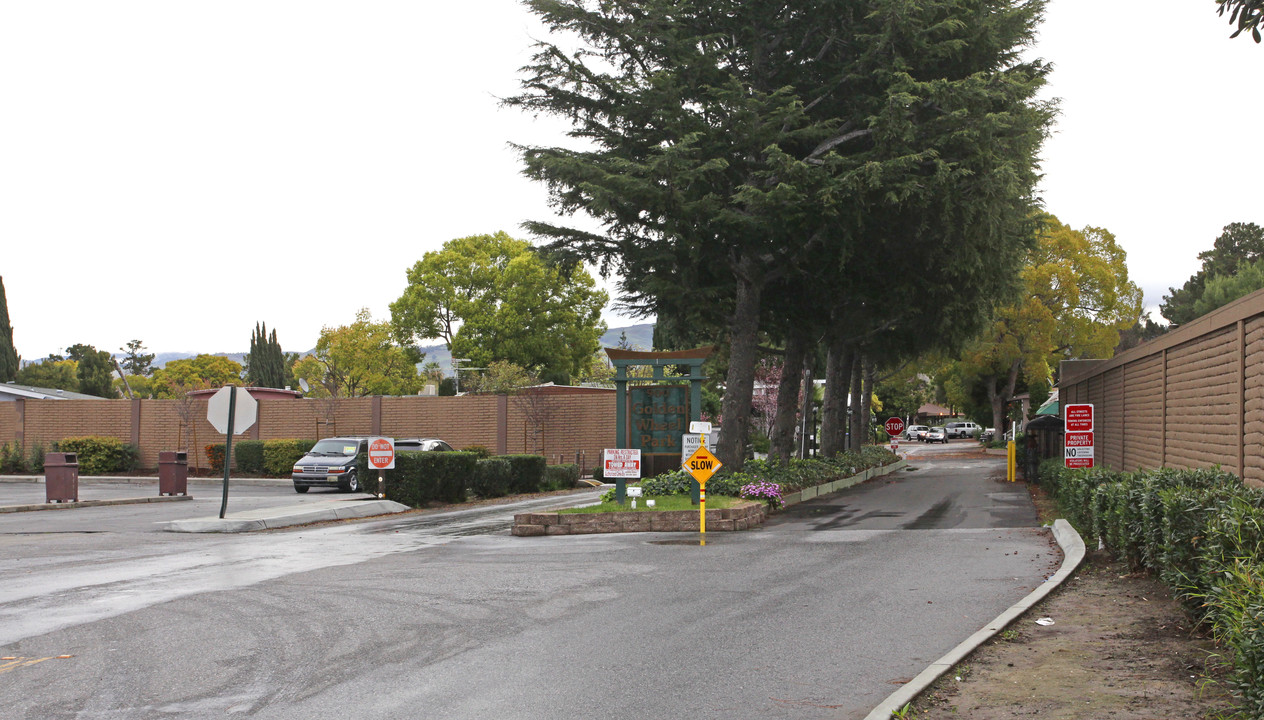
x=1191, y=398
x=572, y=422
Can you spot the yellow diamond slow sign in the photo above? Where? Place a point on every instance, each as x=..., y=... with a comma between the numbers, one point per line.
x=702, y=465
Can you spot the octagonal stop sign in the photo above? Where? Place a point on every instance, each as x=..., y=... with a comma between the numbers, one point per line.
x=245, y=410
x=894, y=426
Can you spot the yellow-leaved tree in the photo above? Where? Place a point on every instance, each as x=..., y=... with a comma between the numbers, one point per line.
x=1076, y=299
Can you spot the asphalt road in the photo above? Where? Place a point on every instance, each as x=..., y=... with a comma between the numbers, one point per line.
x=820, y=614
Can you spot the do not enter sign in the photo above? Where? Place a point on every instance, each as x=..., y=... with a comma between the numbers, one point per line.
x=894, y=426
x=382, y=453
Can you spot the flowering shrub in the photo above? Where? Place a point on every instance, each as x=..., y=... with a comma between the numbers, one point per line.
x=766, y=491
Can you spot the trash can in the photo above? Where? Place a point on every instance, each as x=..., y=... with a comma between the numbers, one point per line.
x=173, y=473
x=61, y=477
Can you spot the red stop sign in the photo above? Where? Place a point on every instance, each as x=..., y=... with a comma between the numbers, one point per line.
x=894, y=426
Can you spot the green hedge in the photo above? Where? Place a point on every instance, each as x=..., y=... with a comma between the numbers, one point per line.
x=492, y=478
x=98, y=455
x=279, y=456
x=561, y=477
x=424, y=477
x=1202, y=533
x=795, y=475
x=527, y=472
x=248, y=456
x=12, y=459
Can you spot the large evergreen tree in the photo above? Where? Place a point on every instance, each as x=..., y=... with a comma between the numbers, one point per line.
x=725, y=144
x=8, y=354
x=1239, y=245
x=266, y=364
x=94, y=370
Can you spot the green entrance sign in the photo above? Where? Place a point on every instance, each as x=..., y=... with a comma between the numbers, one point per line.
x=651, y=413
x=659, y=414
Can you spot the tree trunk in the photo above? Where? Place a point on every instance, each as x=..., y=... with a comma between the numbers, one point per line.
x=856, y=423
x=788, y=399
x=739, y=387
x=1002, y=395
x=806, y=425
x=866, y=397
x=838, y=366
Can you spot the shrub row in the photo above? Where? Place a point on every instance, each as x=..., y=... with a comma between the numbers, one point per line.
x=98, y=455
x=795, y=475
x=1200, y=531
x=424, y=477
x=274, y=458
x=13, y=461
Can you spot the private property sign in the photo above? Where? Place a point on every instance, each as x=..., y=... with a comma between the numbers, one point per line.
x=622, y=463
x=1078, y=445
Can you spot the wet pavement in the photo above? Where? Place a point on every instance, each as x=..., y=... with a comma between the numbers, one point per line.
x=819, y=614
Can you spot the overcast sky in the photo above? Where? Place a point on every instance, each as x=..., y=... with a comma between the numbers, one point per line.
x=177, y=171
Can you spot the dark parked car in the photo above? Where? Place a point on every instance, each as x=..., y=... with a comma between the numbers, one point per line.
x=332, y=462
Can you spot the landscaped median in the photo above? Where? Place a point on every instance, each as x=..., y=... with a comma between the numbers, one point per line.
x=751, y=495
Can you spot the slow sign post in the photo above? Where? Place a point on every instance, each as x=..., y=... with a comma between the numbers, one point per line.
x=381, y=458
x=702, y=465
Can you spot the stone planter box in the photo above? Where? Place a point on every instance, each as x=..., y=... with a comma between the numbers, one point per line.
x=738, y=517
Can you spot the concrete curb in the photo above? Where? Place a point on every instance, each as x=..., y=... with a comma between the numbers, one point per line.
x=149, y=480
x=271, y=518
x=1073, y=553
x=91, y=503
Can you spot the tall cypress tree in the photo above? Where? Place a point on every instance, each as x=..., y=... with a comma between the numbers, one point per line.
x=265, y=365
x=8, y=354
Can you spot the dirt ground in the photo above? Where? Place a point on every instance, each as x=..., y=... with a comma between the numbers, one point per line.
x=1120, y=648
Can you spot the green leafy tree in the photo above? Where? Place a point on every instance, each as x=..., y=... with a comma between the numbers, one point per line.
x=1077, y=299
x=1246, y=14
x=363, y=359
x=1221, y=290
x=500, y=378
x=196, y=373
x=266, y=363
x=1239, y=244
x=135, y=360
x=725, y=146
x=491, y=297
x=9, y=361
x=57, y=374
x=95, y=370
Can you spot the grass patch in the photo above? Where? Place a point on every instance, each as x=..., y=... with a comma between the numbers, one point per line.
x=662, y=503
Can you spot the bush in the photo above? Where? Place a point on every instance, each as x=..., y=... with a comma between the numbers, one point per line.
x=527, y=472
x=98, y=455
x=279, y=456
x=248, y=457
x=479, y=451
x=492, y=478
x=561, y=477
x=424, y=477
x=35, y=463
x=12, y=461
x=215, y=456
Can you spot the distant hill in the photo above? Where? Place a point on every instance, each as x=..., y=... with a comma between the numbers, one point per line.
x=639, y=337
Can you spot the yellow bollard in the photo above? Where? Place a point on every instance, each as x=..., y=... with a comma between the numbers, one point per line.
x=1011, y=473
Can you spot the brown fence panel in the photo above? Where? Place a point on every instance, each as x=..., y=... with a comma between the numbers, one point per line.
x=1143, y=413
x=1202, y=402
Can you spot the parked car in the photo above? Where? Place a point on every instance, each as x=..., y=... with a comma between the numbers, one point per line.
x=332, y=462
x=962, y=429
x=988, y=434
x=912, y=432
x=934, y=435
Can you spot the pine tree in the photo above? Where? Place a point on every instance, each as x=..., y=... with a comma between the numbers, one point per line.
x=265, y=365
x=8, y=354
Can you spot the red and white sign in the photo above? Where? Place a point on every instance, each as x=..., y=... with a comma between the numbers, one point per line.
x=382, y=453
x=621, y=463
x=894, y=426
x=1078, y=450
x=1079, y=418
x=1079, y=439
